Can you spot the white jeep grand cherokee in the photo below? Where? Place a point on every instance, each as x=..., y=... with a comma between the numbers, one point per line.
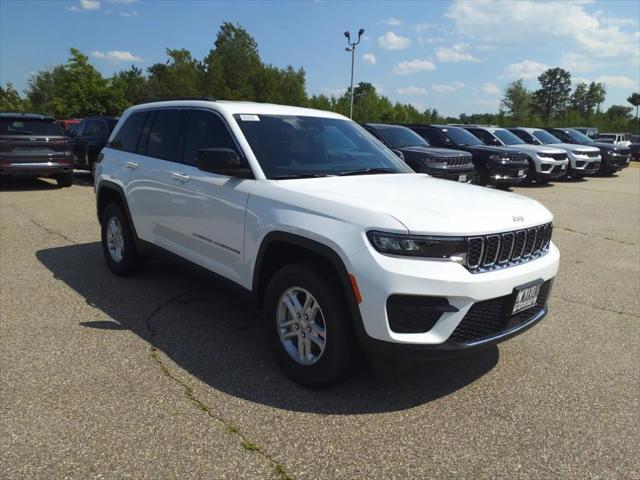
x=338, y=239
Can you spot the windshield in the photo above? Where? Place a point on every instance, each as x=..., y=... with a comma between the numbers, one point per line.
x=299, y=146
x=507, y=137
x=611, y=136
x=577, y=137
x=402, y=137
x=460, y=136
x=23, y=126
x=545, y=137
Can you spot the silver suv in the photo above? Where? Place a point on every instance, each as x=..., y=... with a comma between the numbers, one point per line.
x=545, y=162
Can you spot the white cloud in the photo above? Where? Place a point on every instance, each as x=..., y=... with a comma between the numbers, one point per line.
x=90, y=4
x=123, y=2
x=413, y=66
x=132, y=13
x=421, y=27
x=412, y=90
x=455, y=54
x=369, y=58
x=617, y=81
x=116, y=56
x=526, y=21
x=391, y=41
x=491, y=89
x=448, y=87
x=72, y=8
x=577, y=62
x=334, y=92
x=394, y=22
x=527, y=70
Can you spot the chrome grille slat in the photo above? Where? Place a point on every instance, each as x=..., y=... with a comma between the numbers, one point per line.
x=501, y=250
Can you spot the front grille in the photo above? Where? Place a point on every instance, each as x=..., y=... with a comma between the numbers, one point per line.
x=556, y=156
x=456, y=162
x=490, y=318
x=514, y=157
x=490, y=252
x=592, y=154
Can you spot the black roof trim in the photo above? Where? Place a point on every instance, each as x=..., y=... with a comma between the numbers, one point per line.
x=169, y=99
x=32, y=116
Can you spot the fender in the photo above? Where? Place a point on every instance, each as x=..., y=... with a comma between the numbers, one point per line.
x=114, y=187
x=321, y=250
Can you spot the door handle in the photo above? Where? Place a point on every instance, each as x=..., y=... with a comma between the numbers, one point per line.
x=181, y=177
x=131, y=165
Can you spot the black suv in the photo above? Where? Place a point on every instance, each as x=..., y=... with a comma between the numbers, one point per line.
x=416, y=152
x=90, y=137
x=499, y=166
x=614, y=157
x=34, y=145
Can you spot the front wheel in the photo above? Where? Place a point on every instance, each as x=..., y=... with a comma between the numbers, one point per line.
x=310, y=326
x=118, y=245
x=65, y=179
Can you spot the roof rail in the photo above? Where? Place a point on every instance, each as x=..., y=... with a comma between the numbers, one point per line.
x=167, y=99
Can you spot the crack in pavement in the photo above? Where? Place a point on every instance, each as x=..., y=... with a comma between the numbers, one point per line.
x=618, y=312
x=571, y=230
x=278, y=469
x=43, y=227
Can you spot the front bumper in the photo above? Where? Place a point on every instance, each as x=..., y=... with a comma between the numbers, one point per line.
x=509, y=173
x=582, y=165
x=380, y=276
x=615, y=162
x=35, y=169
x=551, y=169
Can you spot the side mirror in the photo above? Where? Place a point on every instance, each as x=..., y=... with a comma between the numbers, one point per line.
x=398, y=153
x=222, y=161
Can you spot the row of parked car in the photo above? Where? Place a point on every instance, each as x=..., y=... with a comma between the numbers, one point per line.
x=486, y=155
x=491, y=155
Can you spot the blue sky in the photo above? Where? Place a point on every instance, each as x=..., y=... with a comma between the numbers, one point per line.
x=455, y=56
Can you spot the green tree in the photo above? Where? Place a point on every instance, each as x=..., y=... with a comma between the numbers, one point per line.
x=634, y=99
x=618, y=112
x=180, y=76
x=596, y=96
x=516, y=100
x=579, y=101
x=233, y=65
x=132, y=84
x=10, y=100
x=551, y=99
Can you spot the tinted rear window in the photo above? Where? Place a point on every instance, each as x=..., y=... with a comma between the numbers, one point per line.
x=164, y=137
x=20, y=126
x=127, y=137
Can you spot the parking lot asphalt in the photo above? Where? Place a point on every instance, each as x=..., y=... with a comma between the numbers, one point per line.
x=166, y=375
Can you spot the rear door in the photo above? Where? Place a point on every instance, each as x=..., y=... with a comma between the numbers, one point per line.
x=27, y=140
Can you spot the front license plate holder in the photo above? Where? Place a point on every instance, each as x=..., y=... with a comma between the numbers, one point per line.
x=525, y=296
x=462, y=178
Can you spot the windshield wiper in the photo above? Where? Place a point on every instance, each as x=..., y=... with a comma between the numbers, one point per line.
x=299, y=175
x=367, y=171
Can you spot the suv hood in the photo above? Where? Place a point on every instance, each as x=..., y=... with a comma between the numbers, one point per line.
x=422, y=204
x=575, y=147
x=527, y=147
x=433, y=151
x=609, y=147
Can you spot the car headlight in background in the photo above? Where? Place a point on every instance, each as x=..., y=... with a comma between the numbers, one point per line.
x=453, y=248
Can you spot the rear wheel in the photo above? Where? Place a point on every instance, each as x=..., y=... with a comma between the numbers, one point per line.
x=118, y=245
x=310, y=326
x=65, y=179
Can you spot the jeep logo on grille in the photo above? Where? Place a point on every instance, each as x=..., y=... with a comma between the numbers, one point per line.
x=518, y=218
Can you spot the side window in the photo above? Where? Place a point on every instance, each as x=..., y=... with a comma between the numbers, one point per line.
x=144, y=134
x=96, y=128
x=165, y=135
x=523, y=135
x=206, y=130
x=433, y=137
x=81, y=128
x=127, y=137
x=483, y=135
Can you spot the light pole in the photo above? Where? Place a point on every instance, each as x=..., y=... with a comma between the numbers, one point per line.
x=352, y=48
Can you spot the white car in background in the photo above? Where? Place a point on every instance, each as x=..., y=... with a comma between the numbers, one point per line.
x=335, y=236
x=615, y=138
x=583, y=160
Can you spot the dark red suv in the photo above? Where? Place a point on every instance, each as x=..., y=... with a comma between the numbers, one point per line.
x=34, y=145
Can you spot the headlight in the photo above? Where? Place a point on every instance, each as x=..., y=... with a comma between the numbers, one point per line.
x=579, y=153
x=453, y=248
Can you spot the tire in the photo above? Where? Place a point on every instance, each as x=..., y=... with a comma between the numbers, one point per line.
x=483, y=177
x=332, y=362
x=120, y=251
x=542, y=181
x=65, y=179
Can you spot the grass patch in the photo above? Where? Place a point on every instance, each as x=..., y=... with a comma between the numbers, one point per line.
x=252, y=447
